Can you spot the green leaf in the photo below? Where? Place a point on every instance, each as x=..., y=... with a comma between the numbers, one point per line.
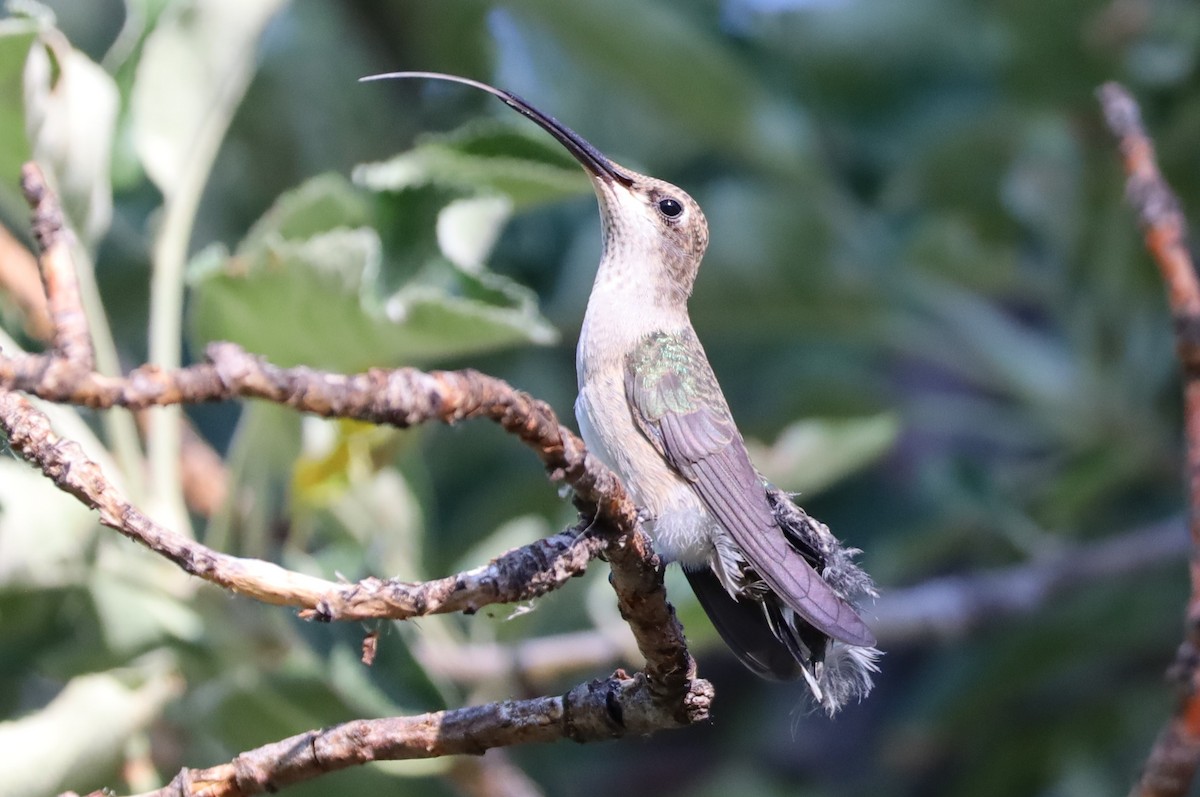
x=323, y=204
x=994, y=348
x=141, y=599
x=71, y=109
x=303, y=290
x=193, y=72
x=45, y=534
x=492, y=312
x=345, y=488
x=81, y=734
x=810, y=455
x=295, y=302
x=725, y=104
x=529, y=167
x=384, y=517
x=467, y=229
x=260, y=462
x=16, y=38
x=134, y=597
x=336, y=453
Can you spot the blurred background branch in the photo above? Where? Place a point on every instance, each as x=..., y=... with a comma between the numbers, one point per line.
x=950, y=607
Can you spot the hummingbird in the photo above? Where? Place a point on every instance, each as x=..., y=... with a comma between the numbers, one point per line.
x=777, y=585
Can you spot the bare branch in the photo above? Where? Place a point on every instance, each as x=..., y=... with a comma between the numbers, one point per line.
x=642, y=600
x=1157, y=208
x=594, y=711
x=521, y=574
x=1172, y=764
x=518, y=575
x=32, y=281
x=401, y=397
x=72, y=339
x=668, y=695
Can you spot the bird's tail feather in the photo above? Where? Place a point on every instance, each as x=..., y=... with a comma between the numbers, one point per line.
x=775, y=643
x=770, y=637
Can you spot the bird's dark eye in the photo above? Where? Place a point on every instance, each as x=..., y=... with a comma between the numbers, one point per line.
x=669, y=207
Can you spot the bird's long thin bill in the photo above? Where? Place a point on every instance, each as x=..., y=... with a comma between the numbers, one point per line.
x=592, y=159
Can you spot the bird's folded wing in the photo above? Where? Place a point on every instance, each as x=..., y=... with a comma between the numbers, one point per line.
x=678, y=405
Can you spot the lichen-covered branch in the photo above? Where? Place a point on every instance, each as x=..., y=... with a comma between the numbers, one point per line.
x=521, y=574
x=595, y=711
x=518, y=575
x=667, y=694
x=35, y=284
x=642, y=600
x=403, y=397
x=1172, y=764
x=71, y=338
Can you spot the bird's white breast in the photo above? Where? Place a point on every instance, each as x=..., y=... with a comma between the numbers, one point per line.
x=679, y=525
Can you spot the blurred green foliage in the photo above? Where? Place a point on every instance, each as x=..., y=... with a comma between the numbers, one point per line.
x=924, y=295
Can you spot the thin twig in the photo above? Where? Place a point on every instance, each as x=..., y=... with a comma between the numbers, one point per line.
x=1171, y=766
x=72, y=340
x=401, y=397
x=405, y=397
x=518, y=575
x=521, y=574
x=203, y=472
